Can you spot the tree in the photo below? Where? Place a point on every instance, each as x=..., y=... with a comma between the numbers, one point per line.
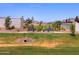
x=40, y=26
x=28, y=23
x=49, y=28
x=54, y=26
x=31, y=28
x=58, y=24
x=7, y=22
x=72, y=28
x=77, y=19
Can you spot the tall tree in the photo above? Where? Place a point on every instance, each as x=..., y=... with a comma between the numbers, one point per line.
x=7, y=22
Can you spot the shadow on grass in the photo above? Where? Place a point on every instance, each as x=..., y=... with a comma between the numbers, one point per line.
x=74, y=36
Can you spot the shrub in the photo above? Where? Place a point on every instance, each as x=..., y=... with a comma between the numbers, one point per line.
x=13, y=27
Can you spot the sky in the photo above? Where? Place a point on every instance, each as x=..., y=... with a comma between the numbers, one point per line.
x=40, y=11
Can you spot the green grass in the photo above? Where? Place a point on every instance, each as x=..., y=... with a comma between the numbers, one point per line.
x=35, y=35
x=71, y=45
x=12, y=37
x=38, y=51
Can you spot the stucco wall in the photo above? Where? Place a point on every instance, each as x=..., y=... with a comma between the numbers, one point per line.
x=76, y=27
x=15, y=22
x=2, y=22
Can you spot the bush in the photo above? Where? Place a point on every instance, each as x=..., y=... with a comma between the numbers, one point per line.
x=13, y=27
x=39, y=28
x=10, y=28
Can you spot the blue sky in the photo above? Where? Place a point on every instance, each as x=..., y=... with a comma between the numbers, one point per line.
x=42, y=12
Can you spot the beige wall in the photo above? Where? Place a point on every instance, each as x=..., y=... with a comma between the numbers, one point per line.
x=15, y=22
x=76, y=27
x=2, y=22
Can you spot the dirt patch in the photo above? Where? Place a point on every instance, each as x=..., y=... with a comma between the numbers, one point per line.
x=47, y=44
x=25, y=40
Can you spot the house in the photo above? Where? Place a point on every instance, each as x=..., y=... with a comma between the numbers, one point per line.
x=67, y=22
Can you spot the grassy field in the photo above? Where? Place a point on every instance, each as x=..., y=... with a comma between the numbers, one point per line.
x=70, y=45
x=38, y=51
x=11, y=37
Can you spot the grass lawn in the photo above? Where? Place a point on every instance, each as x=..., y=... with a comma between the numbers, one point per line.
x=70, y=46
x=38, y=51
x=11, y=37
